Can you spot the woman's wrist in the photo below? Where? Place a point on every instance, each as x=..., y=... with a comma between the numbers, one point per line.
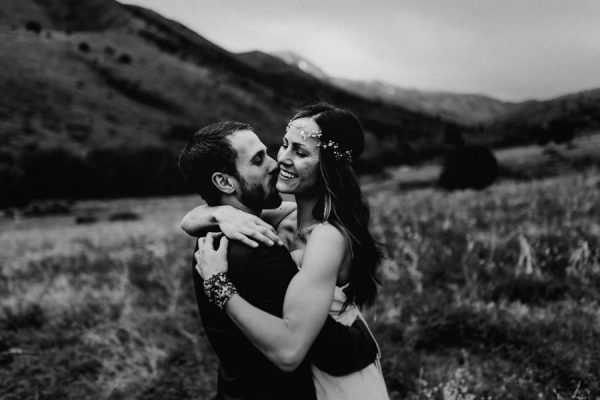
x=219, y=289
x=217, y=214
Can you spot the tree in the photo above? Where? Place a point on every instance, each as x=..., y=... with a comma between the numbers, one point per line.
x=84, y=47
x=34, y=27
x=473, y=167
x=561, y=130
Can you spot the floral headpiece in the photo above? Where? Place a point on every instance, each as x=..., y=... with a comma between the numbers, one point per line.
x=334, y=146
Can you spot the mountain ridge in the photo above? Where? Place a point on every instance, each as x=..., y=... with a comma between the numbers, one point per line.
x=89, y=96
x=462, y=108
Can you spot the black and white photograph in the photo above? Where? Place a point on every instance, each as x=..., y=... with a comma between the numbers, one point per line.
x=299, y=200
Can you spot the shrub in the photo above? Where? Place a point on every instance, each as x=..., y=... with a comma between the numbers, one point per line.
x=561, y=130
x=11, y=175
x=84, y=47
x=44, y=208
x=53, y=173
x=29, y=316
x=469, y=167
x=124, y=216
x=33, y=26
x=529, y=290
x=85, y=219
x=125, y=58
x=109, y=51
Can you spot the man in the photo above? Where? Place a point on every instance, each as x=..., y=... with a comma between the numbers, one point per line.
x=228, y=165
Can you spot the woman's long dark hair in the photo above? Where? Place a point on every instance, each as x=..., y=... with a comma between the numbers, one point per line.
x=342, y=203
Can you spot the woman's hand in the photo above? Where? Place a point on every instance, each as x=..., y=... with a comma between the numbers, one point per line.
x=208, y=260
x=245, y=227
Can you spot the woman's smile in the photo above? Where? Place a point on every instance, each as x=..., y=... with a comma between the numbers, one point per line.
x=286, y=174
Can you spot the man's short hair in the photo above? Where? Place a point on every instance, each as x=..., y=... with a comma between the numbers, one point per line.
x=210, y=151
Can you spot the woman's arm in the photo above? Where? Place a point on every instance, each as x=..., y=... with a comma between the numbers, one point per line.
x=286, y=341
x=234, y=223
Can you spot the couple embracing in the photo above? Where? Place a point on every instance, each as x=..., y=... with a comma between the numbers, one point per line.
x=280, y=300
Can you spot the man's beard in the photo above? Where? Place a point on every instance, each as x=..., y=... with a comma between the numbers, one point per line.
x=256, y=198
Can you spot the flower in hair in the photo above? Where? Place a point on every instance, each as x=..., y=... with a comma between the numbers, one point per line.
x=345, y=155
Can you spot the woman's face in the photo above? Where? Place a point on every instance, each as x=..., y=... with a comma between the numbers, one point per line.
x=298, y=158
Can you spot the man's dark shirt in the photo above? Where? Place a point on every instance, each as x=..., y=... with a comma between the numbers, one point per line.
x=261, y=276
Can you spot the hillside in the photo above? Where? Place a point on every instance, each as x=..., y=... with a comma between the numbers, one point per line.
x=80, y=77
x=493, y=121
x=578, y=111
x=468, y=109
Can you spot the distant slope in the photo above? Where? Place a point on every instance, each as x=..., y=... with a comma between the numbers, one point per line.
x=101, y=75
x=175, y=77
x=491, y=121
x=531, y=119
x=301, y=63
x=460, y=108
x=583, y=108
x=69, y=15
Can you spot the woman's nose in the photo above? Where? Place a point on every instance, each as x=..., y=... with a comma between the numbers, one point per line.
x=283, y=156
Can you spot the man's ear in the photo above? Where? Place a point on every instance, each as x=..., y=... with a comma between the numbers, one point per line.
x=223, y=182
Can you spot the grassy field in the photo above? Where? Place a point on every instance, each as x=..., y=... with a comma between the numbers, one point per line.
x=485, y=295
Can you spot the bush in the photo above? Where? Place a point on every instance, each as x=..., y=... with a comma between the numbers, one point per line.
x=11, y=175
x=530, y=290
x=109, y=51
x=57, y=173
x=85, y=219
x=124, y=216
x=125, y=58
x=84, y=47
x=44, y=208
x=53, y=173
x=469, y=167
x=33, y=26
x=561, y=130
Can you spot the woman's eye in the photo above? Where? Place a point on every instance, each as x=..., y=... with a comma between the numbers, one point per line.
x=300, y=154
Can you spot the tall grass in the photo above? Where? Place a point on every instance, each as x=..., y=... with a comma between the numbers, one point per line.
x=487, y=294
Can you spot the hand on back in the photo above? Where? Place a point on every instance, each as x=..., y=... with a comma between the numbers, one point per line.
x=247, y=228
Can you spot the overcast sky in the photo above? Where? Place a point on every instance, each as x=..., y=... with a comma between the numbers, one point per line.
x=508, y=49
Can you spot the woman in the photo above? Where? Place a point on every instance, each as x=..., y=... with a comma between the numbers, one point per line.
x=332, y=248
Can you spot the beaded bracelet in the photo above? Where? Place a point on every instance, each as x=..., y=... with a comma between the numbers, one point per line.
x=219, y=289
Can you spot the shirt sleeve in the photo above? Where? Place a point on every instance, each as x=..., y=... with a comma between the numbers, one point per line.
x=341, y=350
x=264, y=278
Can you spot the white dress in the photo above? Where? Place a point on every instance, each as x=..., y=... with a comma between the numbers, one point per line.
x=366, y=384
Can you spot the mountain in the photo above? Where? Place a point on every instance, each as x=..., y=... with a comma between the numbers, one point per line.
x=486, y=120
x=91, y=85
x=68, y=15
x=301, y=63
x=533, y=120
x=469, y=109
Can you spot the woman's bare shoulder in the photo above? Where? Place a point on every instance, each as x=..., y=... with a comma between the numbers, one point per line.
x=328, y=233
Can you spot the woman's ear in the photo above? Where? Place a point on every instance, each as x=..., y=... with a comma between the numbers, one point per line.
x=223, y=182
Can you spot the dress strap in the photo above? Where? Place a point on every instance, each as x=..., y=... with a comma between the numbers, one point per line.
x=378, y=357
